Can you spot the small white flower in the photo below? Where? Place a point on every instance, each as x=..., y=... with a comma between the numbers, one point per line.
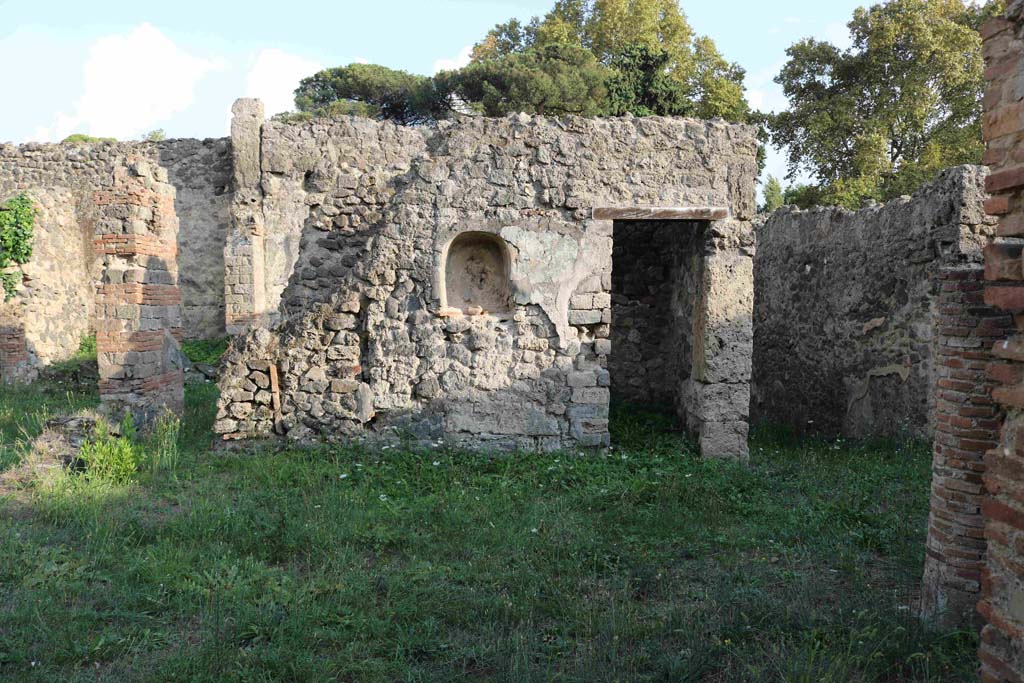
x=383, y=497
x=436, y=463
x=316, y=507
x=533, y=530
x=342, y=476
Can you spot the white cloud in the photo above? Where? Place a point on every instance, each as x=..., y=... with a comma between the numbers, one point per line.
x=274, y=76
x=131, y=83
x=838, y=34
x=457, y=62
x=763, y=92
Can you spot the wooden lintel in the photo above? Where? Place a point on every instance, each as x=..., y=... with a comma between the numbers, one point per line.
x=660, y=213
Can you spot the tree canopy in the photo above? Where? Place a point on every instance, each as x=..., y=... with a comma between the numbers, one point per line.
x=884, y=116
x=591, y=57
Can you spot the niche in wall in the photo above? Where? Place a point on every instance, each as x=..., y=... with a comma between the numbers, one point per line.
x=476, y=274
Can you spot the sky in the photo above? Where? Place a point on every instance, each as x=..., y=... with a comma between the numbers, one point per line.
x=121, y=68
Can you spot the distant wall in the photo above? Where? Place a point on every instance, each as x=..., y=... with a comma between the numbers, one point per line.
x=844, y=304
x=655, y=281
x=53, y=310
x=200, y=171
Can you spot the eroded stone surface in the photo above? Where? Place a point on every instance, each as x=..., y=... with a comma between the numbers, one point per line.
x=366, y=345
x=845, y=304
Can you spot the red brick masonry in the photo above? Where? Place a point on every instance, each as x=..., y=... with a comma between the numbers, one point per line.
x=1002, y=581
x=138, y=301
x=967, y=424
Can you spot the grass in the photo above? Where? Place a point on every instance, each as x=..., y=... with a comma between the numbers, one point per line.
x=206, y=351
x=361, y=564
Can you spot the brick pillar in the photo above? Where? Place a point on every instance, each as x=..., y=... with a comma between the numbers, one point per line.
x=967, y=424
x=1002, y=599
x=138, y=302
x=14, y=358
x=244, y=262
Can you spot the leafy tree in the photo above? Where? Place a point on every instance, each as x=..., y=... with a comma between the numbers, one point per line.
x=555, y=79
x=369, y=89
x=155, y=135
x=640, y=85
x=802, y=195
x=773, y=196
x=884, y=116
x=590, y=57
x=613, y=30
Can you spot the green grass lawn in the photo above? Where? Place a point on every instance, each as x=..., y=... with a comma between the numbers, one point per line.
x=361, y=564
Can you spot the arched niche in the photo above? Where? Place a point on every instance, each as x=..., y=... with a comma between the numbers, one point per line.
x=476, y=274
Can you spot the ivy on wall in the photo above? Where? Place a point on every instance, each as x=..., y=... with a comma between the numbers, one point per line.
x=17, y=218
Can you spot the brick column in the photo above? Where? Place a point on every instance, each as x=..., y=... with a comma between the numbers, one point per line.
x=967, y=424
x=1002, y=600
x=14, y=358
x=138, y=303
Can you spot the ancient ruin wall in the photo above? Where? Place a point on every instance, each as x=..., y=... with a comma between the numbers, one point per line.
x=54, y=308
x=368, y=342
x=844, y=305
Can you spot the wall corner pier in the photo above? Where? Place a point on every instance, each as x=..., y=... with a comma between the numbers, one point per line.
x=1002, y=581
x=244, y=249
x=138, y=302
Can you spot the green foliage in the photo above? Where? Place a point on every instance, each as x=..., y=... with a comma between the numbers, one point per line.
x=17, y=221
x=432, y=564
x=881, y=118
x=156, y=135
x=773, y=195
x=590, y=57
x=206, y=351
x=641, y=85
x=369, y=90
x=803, y=196
x=111, y=459
x=555, y=79
x=631, y=36
x=82, y=139
x=163, y=452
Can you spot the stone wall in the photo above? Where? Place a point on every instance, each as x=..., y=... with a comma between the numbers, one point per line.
x=54, y=308
x=368, y=344
x=844, y=303
x=1002, y=603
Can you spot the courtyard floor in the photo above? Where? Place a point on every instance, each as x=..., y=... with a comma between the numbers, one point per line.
x=404, y=564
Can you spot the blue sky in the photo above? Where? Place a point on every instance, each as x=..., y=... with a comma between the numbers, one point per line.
x=120, y=68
